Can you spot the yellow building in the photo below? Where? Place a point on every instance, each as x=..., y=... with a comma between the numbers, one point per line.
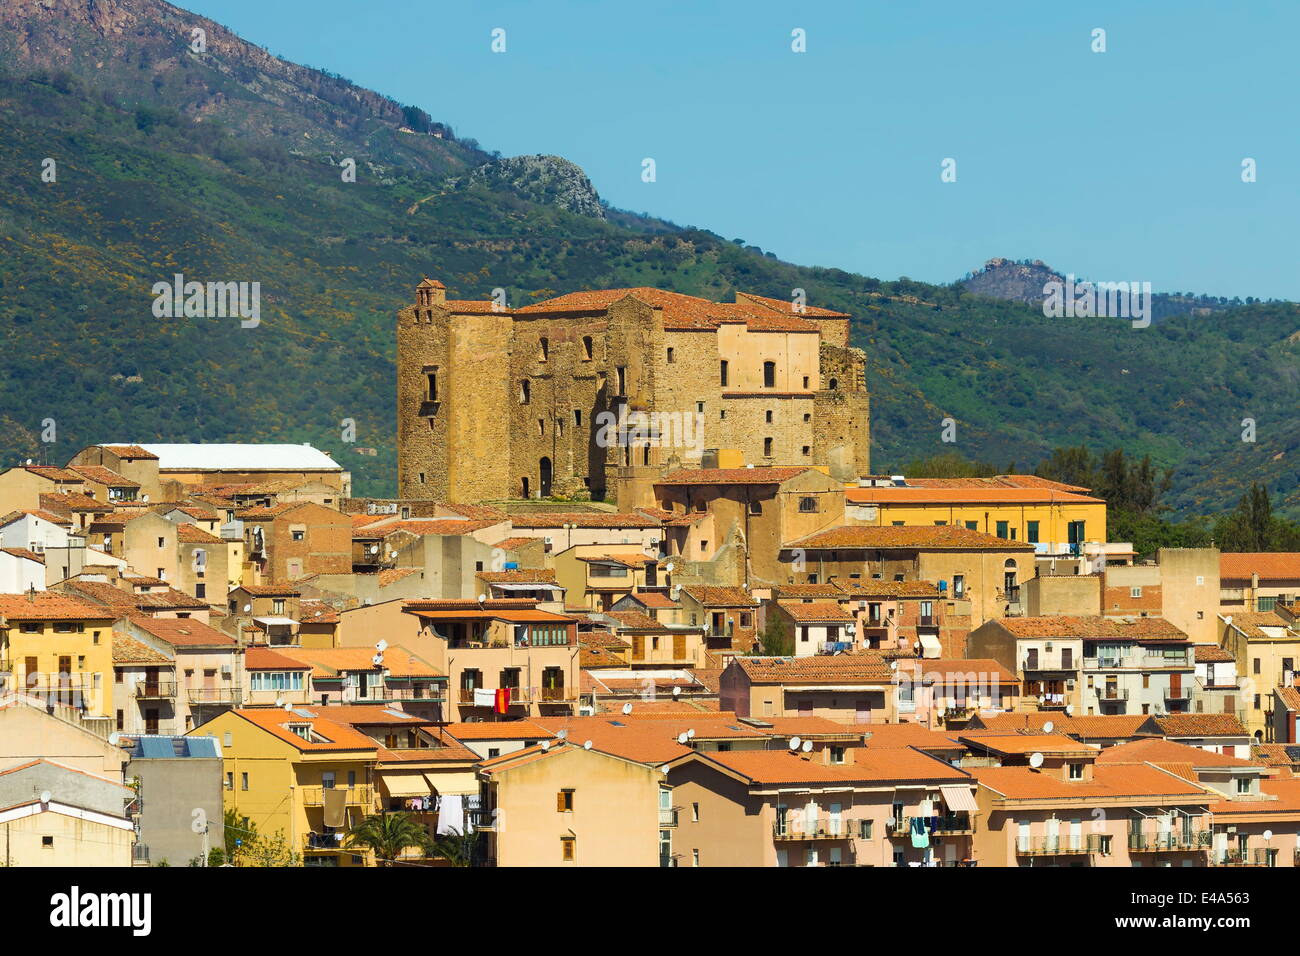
x=1047, y=514
x=1265, y=648
x=59, y=648
x=58, y=815
x=298, y=774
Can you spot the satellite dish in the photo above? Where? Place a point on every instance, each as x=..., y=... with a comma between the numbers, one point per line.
x=893, y=665
x=682, y=738
x=563, y=735
x=45, y=796
x=586, y=745
x=392, y=554
x=377, y=659
x=1048, y=727
x=1267, y=834
x=807, y=746
x=627, y=708
x=794, y=743
x=546, y=745
x=1069, y=708
x=691, y=733
x=677, y=692
x=279, y=702
x=381, y=645
x=482, y=598
x=247, y=608
x=1035, y=760
x=374, y=549
x=288, y=706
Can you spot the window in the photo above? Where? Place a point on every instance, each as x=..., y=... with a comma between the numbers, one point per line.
x=756, y=507
x=972, y=525
x=277, y=606
x=230, y=780
x=524, y=392
x=1135, y=592
x=767, y=416
x=769, y=375
x=958, y=585
x=327, y=776
x=807, y=505
x=670, y=355
x=431, y=379
x=1243, y=785
x=243, y=781
x=864, y=829
x=695, y=858
x=200, y=591
x=568, y=848
x=298, y=535
x=1076, y=771
x=586, y=347
x=162, y=542
x=1031, y=532
x=564, y=801
x=805, y=381
x=723, y=379
x=807, y=450
x=767, y=448
x=695, y=813
x=837, y=754
x=47, y=842
x=577, y=417
x=1003, y=527
x=543, y=348
x=622, y=379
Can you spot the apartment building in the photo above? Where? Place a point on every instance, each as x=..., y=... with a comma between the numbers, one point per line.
x=845, y=688
x=1265, y=647
x=1257, y=582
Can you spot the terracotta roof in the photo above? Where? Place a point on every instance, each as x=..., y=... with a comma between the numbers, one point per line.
x=1251, y=623
x=477, y=512
x=966, y=670
x=425, y=526
x=1269, y=565
x=602, y=639
x=268, y=659
x=983, y=495
x=655, y=600
x=1290, y=698
x=720, y=596
x=1089, y=726
x=825, y=589
x=687, y=312
x=1113, y=782
x=1211, y=654
x=41, y=513
x=193, y=534
x=281, y=589
x=127, y=650
x=511, y=544
x=817, y=611
x=390, y=576
x=199, y=514
x=628, y=560
x=784, y=305
x=1282, y=797
x=130, y=451
x=49, y=606
x=1157, y=751
x=872, y=588
x=867, y=668
x=1093, y=628
x=1200, y=725
x=339, y=736
x=905, y=537
x=583, y=519
x=317, y=612
x=183, y=632
x=894, y=736
x=24, y=553
x=869, y=766
x=519, y=576
x=634, y=621
x=1020, y=744
x=498, y=730
x=327, y=662
x=730, y=476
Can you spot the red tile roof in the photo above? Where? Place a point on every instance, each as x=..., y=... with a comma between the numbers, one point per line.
x=1274, y=566
x=866, y=668
x=730, y=476
x=906, y=537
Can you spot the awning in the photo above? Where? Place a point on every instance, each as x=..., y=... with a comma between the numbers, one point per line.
x=930, y=646
x=405, y=784
x=959, y=799
x=276, y=621
x=444, y=782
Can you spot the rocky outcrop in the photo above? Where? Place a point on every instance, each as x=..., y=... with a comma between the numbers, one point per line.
x=547, y=180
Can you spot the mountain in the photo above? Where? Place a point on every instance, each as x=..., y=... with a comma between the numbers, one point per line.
x=1023, y=281
x=230, y=165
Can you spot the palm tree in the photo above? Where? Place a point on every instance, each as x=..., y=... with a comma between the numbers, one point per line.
x=455, y=846
x=388, y=836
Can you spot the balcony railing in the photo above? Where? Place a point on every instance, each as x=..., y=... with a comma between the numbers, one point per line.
x=556, y=694
x=1112, y=693
x=801, y=828
x=215, y=695
x=140, y=855
x=1055, y=846
x=360, y=795
x=949, y=824
x=322, y=841
x=158, y=690
x=668, y=816
x=1235, y=857
x=927, y=620
x=1196, y=841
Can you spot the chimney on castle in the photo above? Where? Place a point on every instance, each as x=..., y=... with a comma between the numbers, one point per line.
x=430, y=292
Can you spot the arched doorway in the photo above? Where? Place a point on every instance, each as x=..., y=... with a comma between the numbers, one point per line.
x=544, y=483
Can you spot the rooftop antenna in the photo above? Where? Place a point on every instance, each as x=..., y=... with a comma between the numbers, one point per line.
x=691, y=733
x=1035, y=760
x=46, y=795
x=586, y=745
x=807, y=746
x=381, y=645
x=682, y=738
x=482, y=598
x=546, y=745
x=794, y=743
x=677, y=692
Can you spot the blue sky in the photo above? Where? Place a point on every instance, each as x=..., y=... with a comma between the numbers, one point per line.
x=1122, y=165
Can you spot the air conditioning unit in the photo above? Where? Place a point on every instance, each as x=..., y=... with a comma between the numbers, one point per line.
x=586, y=711
x=1048, y=646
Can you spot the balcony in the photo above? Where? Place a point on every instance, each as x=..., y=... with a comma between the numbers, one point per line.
x=835, y=647
x=232, y=696
x=949, y=824
x=556, y=694
x=1055, y=846
x=1112, y=693
x=1236, y=857
x=668, y=816
x=1194, y=842
x=322, y=842
x=800, y=828
x=361, y=795
x=158, y=690
x=139, y=855
x=927, y=620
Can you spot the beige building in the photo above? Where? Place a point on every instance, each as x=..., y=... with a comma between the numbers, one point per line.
x=1265, y=648
x=846, y=688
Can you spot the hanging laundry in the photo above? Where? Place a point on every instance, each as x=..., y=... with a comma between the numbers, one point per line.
x=484, y=697
x=920, y=836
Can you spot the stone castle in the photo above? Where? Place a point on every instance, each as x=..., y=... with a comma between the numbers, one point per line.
x=570, y=395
